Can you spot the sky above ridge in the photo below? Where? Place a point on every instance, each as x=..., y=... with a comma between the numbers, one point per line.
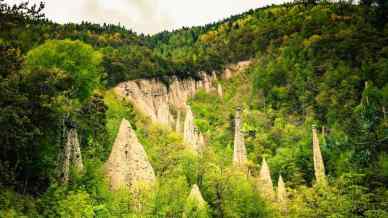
x=147, y=16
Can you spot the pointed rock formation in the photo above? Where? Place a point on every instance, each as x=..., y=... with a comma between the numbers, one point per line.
x=188, y=127
x=196, y=196
x=191, y=134
x=195, y=206
x=281, y=196
x=72, y=155
x=239, y=150
x=128, y=163
x=76, y=151
x=281, y=193
x=265, y=181
x=207, y=83
x=199, y=140
x=319, y=167
x=219, y=90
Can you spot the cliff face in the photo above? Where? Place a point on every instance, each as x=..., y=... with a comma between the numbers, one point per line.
x=165, y=104
x=128, y=163
x=158, y=101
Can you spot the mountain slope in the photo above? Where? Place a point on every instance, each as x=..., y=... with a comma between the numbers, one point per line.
x=310, y=64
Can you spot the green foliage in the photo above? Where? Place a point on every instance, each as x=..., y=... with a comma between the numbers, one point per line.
x=192, y=209
x=75, y=58
x=313, y=62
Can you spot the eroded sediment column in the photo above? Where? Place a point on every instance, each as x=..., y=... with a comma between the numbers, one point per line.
x=188, y=127
x=128, y=162
x=319, y=167
x=219, y=90
x=191, y=134
x=239, y=150
x=281, y=196
x=196, y=196
x=265, y=181
x=76, y=151
x=281, y=191
x=72, y=155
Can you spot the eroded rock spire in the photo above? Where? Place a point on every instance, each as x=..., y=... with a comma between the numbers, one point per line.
x=281, y=193
x=188, y=127
x=72, y=155
x=191, y=133
x=219, y=90
x=239, y=150
x=265, y=181
x=319, y=167
x=281, y=196
x=196, y=196
x=128, y=162
x=195, y=206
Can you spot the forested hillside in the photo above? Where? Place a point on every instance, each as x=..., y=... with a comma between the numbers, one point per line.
x=311, y=64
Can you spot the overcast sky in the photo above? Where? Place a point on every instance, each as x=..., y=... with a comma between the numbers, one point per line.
x=147, y=16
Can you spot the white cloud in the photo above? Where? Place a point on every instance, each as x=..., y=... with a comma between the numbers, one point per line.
x=147, y=16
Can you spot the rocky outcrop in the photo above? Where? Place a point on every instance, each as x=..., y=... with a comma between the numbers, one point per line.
x=128, y=163
x=156, y=100
x=196, y=196
x=219, y=90
x=232, y=70
x=319, y=167
x=265, y=181
x=191, y=134
x=281, y=196
x=72, y=155
x=239, y=150
x=281, y=193
x=195, y=206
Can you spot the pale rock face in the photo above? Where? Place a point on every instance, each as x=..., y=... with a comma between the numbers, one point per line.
x=239, y=150
x=281, y=191
x=196, y=196
x=191, y=134
x=219, y=90
x=265, y=181
x=151, y=96
x=201, y=141
x=128, y=163
x=235, y=69
x=163, y=114
x=72, y=155
x=188, y=127
x=319, y=167
x=178, y=122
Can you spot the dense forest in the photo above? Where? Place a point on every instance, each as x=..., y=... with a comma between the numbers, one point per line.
x=312, y=63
